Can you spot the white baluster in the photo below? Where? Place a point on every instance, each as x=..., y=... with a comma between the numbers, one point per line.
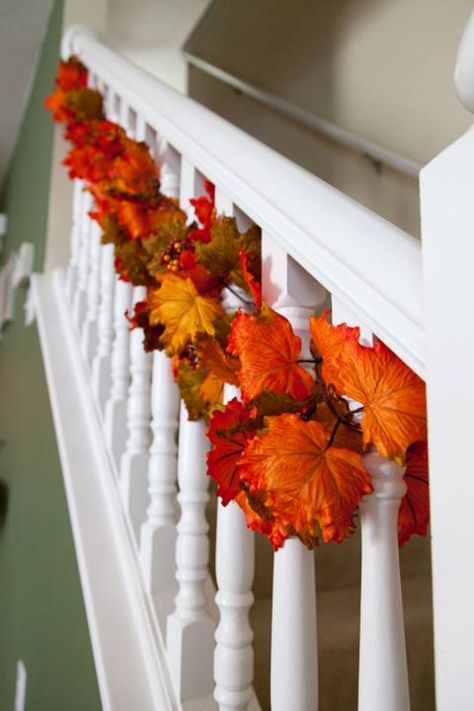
x=158, y=533
x=79, y=302
x=169, y=171
x=89, y=327
x=72, y=271
x=134, y=461
x=235, y=563
x=383, y=677
x=116, y=407
x=190, y=632
x=294, y=668
x=101, y=373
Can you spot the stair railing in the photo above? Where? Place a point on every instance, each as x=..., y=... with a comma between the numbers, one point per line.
x=318, y=245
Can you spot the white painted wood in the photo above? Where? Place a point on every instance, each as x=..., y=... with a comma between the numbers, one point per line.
x=101, y=367
x=464, y=72
x=294, y=671
x=190, y=631
x=128, y=651
x=447, y=211
x=294, y=668
x=89, y=327
x=383, y=677
x=158, y=533
x=23, y=265
x=134, y=461
x=80, y=294
x=116, y=406
x=235, y=563
x=354, y=253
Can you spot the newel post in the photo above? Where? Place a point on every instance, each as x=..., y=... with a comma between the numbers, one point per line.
x=447, y=211
x=294, y=669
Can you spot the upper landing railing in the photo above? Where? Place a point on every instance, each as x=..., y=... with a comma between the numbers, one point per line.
x=319, y=246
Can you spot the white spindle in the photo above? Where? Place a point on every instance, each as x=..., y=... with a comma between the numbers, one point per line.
x=134, y=461
x=190, y=632
x=89, y=327
x=116, y=407
x=383, y=677
x=79, y=302
x=72, y=272
x=169, y=171
x=294, y=668
x=101, y=373
x=235, y=563
x=158, y=533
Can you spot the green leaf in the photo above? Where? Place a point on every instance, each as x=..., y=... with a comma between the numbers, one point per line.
x=189, y=380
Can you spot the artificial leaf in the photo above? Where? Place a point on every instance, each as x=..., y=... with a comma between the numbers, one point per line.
x=140, y=318
x=221, y=254
x=302, y=482
x=269, y=351
x=223, y=365
x=414, y=514
x=133, y=260
x=228, y=432
x=328, y=341
x=252, y=284
x=393, y=396
x=183, y=312
x=189, y=381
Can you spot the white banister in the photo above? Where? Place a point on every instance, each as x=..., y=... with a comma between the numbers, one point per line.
x=190, y=631
x=383, y=677
x=294, y=669
x=89, y=327
x=134, y=460
x=308, y=218
x=101, y=366
x=116, y=406
x=72, y=271
x=158, y=533
x=79, y=300
x=235, y=563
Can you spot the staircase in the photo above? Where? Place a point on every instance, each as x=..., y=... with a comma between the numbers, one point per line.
x=134, y=466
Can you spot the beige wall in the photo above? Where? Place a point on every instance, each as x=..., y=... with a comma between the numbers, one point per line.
x=379, y=68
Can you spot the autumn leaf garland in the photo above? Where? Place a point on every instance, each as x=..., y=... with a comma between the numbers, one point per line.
x=290, y=452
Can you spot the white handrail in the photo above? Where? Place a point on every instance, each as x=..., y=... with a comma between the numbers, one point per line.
x=357, y=255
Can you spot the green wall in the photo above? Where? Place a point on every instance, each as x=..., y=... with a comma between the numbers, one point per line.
x=42, y=617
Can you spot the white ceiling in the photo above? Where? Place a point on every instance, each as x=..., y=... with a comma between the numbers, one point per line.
x=22, y=27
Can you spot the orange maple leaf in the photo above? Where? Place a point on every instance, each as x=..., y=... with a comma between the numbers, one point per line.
x=183, y=312
x=269, y=351
x=393, y=396
x=414, y=514
x=301, y=481
x=328, y=341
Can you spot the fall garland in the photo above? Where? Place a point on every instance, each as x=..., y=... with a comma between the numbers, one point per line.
x=290, y=451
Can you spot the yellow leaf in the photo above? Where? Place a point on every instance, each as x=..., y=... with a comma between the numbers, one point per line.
x=184, y=313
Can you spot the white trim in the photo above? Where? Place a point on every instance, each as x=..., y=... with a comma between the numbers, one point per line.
x=127, y=647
